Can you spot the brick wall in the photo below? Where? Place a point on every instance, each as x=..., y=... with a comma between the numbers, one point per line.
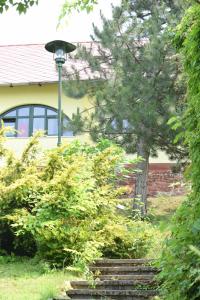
x=162, y=179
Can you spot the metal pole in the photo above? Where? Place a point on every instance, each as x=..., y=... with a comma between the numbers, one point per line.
x=59, y=103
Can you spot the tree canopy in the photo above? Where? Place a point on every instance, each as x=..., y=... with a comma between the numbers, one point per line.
x=21, y=6
x=77, y=5
x=68, y=6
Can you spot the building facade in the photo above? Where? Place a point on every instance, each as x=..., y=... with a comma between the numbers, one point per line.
x=29, y=101
x=28, y=96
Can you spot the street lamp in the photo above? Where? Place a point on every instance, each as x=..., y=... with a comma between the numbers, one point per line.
x=60, y=50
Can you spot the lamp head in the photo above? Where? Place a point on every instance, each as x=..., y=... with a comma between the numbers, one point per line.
x=60, y=49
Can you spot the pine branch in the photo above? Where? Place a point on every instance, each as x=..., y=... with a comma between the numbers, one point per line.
x=127, y=45
x=143, y=16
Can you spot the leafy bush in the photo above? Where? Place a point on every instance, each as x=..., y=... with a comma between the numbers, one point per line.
x=180, y=263
x=62, y=204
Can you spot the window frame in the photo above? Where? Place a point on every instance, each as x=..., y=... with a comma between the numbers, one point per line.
x=31, y=117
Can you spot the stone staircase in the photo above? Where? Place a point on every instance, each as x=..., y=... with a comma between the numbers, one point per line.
x=122, y=279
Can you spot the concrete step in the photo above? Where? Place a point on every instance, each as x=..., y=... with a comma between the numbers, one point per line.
x=126, y=277
x=121, y=262
x=114, y=284
x=60, y=298
x=85, y=297
x=111, y=294
x=101, y=298
x=126, y=270
x=117, y=279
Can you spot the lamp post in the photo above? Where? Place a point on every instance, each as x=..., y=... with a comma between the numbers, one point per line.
x=60, y=50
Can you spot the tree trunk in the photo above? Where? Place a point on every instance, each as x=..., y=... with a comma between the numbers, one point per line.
x=140, y=195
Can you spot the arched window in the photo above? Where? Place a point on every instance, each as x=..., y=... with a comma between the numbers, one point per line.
x=27, y=119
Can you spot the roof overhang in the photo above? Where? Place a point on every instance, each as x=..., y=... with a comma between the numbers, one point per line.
x=10, y=84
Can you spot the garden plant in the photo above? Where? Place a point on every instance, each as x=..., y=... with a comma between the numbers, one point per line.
x=61, y=205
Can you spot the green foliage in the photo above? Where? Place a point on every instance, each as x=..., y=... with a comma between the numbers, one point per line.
x=20, y=6
x=180, y=263
x=134, y=243
x=78, y=5
x=62, y=204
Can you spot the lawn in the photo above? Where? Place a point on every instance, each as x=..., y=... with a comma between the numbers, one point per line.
x=161, y=209
x=24, y=279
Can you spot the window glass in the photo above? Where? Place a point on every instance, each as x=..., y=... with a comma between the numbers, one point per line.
x=23, y=112
x=67, y=133
x=9, y=123
x=125, y=124
x=30, y=118
x=66, y=129
x=39, y=111
x=38, y=124
x=23, y=127
x=51, y=112
x=52, y=127
x=114, y=124
x=11, y=114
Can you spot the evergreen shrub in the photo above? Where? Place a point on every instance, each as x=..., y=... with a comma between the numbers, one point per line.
x=61, y=205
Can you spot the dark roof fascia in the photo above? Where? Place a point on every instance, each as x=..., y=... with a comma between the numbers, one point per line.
x=9, y=84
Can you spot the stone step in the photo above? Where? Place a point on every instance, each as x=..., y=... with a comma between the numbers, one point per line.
x=114, y=284
x=101, y=298
x=60, y=298
x=111, y=294
x=147, y=277
x=87, y=297
x=122, y=262
x=117, y=279
x=124, y=270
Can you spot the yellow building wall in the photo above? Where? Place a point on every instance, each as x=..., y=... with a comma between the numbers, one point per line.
x=11, y=97
x=47, y=94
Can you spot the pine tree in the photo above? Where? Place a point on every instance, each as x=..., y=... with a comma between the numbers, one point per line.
x=133, y=76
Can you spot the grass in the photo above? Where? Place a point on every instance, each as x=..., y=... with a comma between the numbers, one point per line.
x=24, y=279
x=161, y=209
x=160, y=213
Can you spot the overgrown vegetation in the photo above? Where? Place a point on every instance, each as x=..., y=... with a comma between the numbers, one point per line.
x=28, y=278
x=61, y=205
x=180, y=260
